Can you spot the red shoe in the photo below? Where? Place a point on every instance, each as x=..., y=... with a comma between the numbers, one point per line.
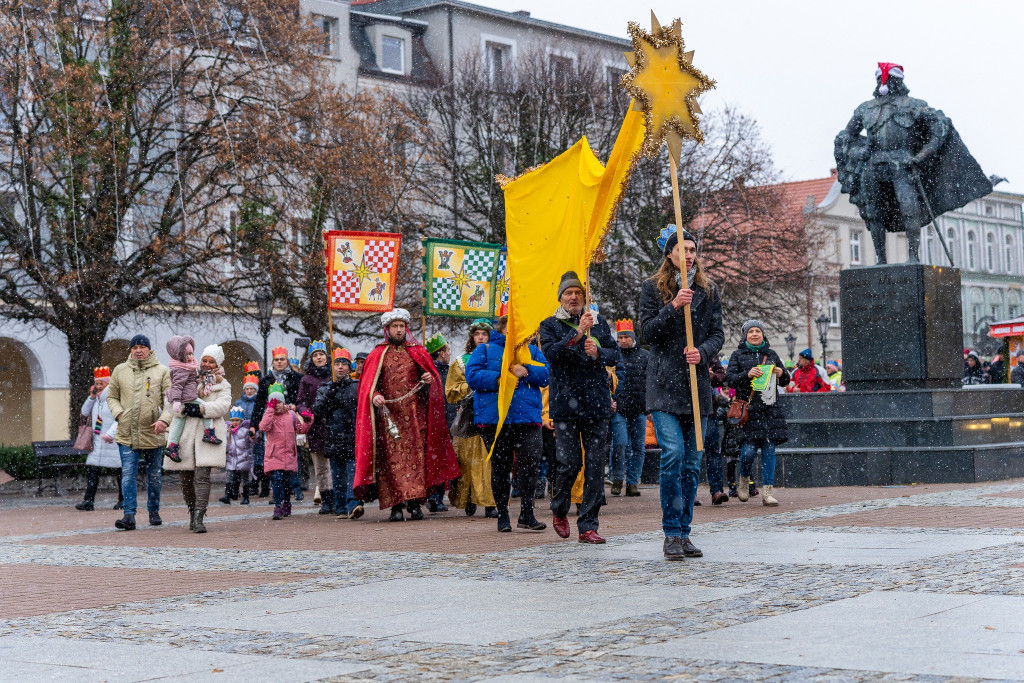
x=590, y=537
x=561, y=525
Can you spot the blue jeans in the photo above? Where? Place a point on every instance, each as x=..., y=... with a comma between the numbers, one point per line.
x=713, y=455
x=130, y=457
x=281, y=482
x=680, y=470
x=629, y=435
x=343, y=476
x=748, y=451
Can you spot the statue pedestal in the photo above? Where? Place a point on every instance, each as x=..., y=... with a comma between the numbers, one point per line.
x=901, y=327
x=904, y=417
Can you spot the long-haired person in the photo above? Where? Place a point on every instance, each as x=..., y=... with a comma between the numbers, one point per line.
x=663, y=328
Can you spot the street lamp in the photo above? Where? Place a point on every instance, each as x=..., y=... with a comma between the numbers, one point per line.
x=791, y=345
x=265, y=311
x=822, y=321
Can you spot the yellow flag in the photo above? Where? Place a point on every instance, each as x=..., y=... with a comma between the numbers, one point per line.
x=555, y=219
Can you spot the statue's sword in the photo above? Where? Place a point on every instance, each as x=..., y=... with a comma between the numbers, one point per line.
x=935, y=226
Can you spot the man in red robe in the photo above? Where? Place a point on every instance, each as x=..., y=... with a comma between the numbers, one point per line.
x=401, y=395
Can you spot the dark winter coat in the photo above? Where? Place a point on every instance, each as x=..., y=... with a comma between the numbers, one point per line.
x=663, y=329
x=335, y=408
x=766, y=422
x=483, y=373
x=308, y=386
x=997, y=372
x=579, y=386
x=450, y=409
x=975, y=375
x=1017, y=374
x=631, y=394
x=291, y=393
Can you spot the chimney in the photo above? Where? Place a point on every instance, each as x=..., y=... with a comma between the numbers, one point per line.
x=833, y=173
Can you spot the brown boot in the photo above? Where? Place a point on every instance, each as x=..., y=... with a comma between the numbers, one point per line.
x=617, y=488
x=632, y=490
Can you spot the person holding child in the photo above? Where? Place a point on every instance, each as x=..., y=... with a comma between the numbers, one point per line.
x=184, y=390
x=197, y=453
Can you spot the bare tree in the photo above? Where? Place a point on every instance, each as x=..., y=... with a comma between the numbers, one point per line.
x=120, y=150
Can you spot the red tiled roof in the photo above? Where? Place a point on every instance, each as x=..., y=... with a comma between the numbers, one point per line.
x=795, y=194
x=363, y=2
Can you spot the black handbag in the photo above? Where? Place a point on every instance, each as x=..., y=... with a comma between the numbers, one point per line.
x=464, y=425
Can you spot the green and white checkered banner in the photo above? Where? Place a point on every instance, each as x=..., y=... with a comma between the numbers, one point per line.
x=460, y=278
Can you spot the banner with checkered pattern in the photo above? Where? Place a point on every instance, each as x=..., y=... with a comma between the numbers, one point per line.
x=459, y=278
x=362, y=270
x=503, y=282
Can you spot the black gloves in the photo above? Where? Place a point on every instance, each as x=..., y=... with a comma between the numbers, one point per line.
x=192, y=410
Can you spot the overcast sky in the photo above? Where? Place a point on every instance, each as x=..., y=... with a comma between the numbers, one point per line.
x=800, y=68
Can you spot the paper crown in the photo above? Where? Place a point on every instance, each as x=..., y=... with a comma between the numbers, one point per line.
x=436, y=343
x=342, y=353
x=250, y=380
x=292, y=360
x=102, y=372
x=624, y=325
x=279, y=351
x=276, y=388
x=236, y=413
x=252, y=366
x=318, y=345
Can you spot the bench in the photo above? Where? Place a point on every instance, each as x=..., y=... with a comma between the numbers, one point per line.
x=53, y=456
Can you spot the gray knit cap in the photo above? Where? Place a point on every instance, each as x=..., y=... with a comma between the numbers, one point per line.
x=570, y=279
x=752, y=323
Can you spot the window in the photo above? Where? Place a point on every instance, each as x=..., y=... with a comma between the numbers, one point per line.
x=995, y=305
x=499, y=61
x=989, y=210
x=392, y=55
x=833, y=310
x=1009, y=256
x=1013, y=305
x=954, y=245
x=972, y=250
x=855, y=247
x=329, y=27
x=977, y=310
x=613, y=78
x=990, y=252
x=561, y=70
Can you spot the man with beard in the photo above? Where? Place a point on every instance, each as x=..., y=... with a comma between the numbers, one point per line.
x=403, y=449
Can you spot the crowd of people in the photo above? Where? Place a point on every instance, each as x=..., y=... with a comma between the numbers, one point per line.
x=408, y=423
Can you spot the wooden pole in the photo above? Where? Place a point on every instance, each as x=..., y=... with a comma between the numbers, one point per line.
x=423, y=296
x=330, y=323
x=694, y=396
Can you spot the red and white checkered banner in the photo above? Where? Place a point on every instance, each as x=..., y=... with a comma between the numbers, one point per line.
x=362, y=270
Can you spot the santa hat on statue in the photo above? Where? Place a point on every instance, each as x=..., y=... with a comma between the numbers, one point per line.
x=887, y=70
x=625, y=326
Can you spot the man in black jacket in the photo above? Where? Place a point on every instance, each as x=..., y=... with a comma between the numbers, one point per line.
x=1017, y=373
x=579, y=346
x=335, y=405
x=280, y=371
x=629, y=423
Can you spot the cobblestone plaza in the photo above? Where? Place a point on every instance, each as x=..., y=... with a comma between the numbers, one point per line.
x=890, y=583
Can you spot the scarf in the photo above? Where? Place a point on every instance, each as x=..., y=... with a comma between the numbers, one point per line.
x=279, y=376
x=756, y=349
x=320, y=373
x=689, y=277
x=562, y=314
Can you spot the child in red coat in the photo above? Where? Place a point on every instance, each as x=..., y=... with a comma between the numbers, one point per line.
x=280, y=425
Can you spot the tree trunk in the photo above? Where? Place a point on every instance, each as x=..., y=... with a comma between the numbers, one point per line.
x=85, y=352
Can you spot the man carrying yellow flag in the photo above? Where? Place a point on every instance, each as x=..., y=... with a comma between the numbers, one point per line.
x=579, y=345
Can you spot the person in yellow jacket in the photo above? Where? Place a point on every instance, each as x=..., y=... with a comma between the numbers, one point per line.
x=473, y=488
x=136, y=398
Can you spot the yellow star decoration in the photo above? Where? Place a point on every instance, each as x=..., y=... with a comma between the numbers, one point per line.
x=665, y=86
x=460, y=279
x=362, y=271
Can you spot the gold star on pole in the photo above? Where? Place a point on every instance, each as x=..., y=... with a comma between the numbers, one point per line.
x=665, y=86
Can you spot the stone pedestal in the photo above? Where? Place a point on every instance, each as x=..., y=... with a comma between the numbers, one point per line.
x=905, y=417
x=902, y=327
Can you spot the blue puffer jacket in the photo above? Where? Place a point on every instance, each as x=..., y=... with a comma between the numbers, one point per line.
x=483, y=372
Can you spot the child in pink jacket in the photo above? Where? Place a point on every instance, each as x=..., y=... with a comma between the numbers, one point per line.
x=280, y=459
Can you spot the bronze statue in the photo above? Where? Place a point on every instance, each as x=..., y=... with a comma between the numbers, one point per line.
x=910, y=165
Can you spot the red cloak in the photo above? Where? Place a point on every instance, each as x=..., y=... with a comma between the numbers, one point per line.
x=440, y=463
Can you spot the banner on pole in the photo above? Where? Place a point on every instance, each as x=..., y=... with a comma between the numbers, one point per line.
x=460, y=278
x=362, y=270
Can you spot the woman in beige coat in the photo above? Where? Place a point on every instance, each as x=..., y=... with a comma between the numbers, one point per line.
x=197, y=456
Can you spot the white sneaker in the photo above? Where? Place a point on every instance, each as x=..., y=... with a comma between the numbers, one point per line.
x=744, y=489
x=767, y=499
